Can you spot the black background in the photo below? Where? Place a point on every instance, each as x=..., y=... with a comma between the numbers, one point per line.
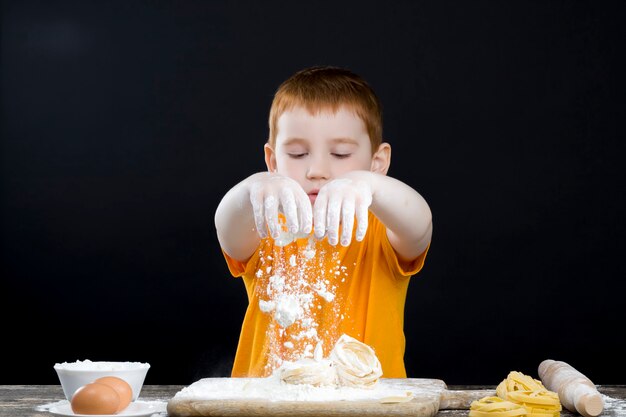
x=124, y=123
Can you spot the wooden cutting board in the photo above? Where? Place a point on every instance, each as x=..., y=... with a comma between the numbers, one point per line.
x=231, y=397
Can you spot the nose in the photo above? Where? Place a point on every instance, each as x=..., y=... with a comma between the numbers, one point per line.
x=318, y=169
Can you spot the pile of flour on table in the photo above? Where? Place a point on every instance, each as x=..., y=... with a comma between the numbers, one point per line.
x=351, y=372
x=273, y=389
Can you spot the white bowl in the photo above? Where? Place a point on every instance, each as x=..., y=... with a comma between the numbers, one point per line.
x=74, y=375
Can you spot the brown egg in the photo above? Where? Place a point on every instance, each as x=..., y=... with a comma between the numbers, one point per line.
x=120, y=386
x=95, y=399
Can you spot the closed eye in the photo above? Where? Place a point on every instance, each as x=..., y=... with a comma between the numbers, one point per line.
x=297, y=155
x=341, y=155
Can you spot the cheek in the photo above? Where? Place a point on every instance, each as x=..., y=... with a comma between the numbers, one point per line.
x=359, y=163
x=290, y=167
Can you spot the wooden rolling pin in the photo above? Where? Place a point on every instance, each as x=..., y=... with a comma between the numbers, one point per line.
x=576, y=392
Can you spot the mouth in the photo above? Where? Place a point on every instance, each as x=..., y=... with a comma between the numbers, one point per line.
x=313, y=195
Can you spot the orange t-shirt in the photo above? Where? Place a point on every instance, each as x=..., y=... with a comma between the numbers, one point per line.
x=308, y=292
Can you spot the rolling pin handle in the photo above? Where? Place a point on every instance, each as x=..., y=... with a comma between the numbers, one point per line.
x=590, y=405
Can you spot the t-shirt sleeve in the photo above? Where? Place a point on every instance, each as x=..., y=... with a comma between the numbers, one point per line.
x=403, y=268
x=238, y=268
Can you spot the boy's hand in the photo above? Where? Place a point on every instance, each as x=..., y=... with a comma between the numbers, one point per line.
x=271, y=192
x=338, y=202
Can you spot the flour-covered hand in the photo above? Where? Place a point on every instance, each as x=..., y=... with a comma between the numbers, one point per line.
x=339, y=202
x=271, y=194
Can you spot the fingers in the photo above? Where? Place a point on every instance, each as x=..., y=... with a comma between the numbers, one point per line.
x=270, y=205
x=305, y=212
x=347, y=221
x=290, y=209
x=319, y=213
x=361, y=221
x=364, y=201
x=256, y=198
x=339, y=203
x=270, y=197
x=332, y=218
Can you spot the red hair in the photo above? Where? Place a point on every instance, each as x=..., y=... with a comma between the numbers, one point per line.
x=328, y=88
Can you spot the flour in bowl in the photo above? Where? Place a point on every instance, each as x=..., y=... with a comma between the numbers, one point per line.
x=88, y=365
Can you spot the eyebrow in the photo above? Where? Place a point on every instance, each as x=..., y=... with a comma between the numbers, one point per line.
x=290, y=141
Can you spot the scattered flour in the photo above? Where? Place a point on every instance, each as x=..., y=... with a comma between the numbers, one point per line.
x=309, y=333
x=292, y=302
x=48, y=406
x=277, y=283
x=288, y=310
x=309, y=253
x=285, y=237
x=266, y=306
x=156, y=407
x=613, y=406
x=273, y=389
x=298, y=279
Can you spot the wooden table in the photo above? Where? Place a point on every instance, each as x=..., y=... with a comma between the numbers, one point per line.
x=23, y=400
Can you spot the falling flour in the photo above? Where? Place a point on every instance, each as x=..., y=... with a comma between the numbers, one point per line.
x=288, y=310
x=298, y=277
x=292, y=303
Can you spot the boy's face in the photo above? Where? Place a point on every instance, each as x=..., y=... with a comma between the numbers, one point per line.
x=314, y=149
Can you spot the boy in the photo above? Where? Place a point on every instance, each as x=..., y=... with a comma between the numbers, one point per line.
x=344, y=238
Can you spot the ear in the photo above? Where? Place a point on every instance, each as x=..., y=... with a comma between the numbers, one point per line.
x=270, y=158
x=381, y=159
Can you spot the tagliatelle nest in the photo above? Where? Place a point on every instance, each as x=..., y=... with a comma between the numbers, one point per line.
x=496, y=407
x=310, y=372
x=529, y=393
x=351, y=363
x=356, y=363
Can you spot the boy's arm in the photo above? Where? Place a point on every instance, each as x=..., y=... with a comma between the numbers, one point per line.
x=252, y=206
x=234, y=222
x=403, y=211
